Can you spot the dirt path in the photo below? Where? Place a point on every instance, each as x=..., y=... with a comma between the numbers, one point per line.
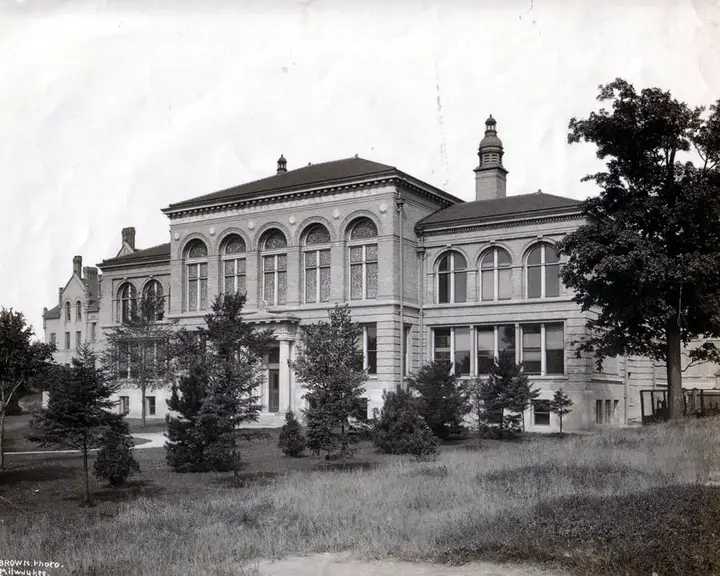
x=345, y=565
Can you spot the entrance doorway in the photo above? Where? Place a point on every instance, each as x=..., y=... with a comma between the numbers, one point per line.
x=274, y=391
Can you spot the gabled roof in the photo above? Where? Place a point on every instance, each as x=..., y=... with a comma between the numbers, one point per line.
x=509, y=208
x=325, y=174
x=159, y=253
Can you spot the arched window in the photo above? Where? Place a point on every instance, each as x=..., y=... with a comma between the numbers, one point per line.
x=452, y=278
x=154, y=290
x=68, y=317
x=274, y=249
x=127, y=300
x=495, y=275
x=363, y=250
x=78, y=311
x=542, y=277
x=317, y=264
x=196, y=269
x=233, y=265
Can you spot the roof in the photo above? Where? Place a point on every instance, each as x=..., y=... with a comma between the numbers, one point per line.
x=52, y=313
x=508, y=208
x=314, y=175
x=154, y=254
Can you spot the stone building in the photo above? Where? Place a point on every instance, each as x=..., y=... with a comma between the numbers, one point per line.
x=463, y=280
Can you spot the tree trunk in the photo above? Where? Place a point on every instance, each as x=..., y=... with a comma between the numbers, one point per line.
x=561, y=425
x=87, y=476
x=2, y=437
x=675, y=403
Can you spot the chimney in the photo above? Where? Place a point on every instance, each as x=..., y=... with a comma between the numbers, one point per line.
x=60, y=291
x=281, y=165
x=91, y=279
x=77, y=266
x=490, y=175
x=128, y=237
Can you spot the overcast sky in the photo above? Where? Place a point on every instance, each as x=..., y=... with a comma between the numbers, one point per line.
x=111, y=110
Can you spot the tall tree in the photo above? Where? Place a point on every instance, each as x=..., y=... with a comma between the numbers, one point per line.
x=21, y=361
x=228, y=352
x=647, y=261
x=79, y=410
x=330, y=366
x=137, y=349
x=441, y=401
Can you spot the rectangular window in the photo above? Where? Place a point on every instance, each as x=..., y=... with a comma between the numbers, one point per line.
x=78, y=339
x=554, y=349
x=197, y=286
x=543, y=349
x=123, y=356
x=453, y=345
x=532, y=348
x=124, y=404
x=599, y=412
x=485, y=349
x=93, y=332
x=150, y=405
x=406, y=350
x=234, y=274
x=67, y=340
x=52, y=338
x=615, y=409
x=441, y=344
x=363, y=272
x=541, y=412
x=317, y=276
x=506, y=339
x=534, y=280
x=504, y=283
x=608, y=411
x=461, y=351
x=370, y=351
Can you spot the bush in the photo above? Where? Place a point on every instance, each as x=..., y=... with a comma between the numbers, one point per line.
x=292, y=440
x=115, y=462
x=400, y=429
x=442, y=402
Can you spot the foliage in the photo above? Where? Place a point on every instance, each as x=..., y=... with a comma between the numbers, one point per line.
x=441, y=401
x=21, y=360
x=115, y=462
x=561, y=404
x=501, y=398
x=400, y=429
x=137, y=349
x=229, y=352
x=185, y=448
x=646, y=262
x=329, y=367
x=78, y=412
x=292, y=440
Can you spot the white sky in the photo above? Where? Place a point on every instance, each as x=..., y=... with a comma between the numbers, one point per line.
x=111, y=110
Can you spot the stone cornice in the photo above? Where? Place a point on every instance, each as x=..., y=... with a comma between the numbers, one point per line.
x=495, y=224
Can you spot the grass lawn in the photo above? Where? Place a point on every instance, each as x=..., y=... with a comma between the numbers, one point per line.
x=618, y=502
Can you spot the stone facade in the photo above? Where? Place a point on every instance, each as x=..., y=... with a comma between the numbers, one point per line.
x=475, y=277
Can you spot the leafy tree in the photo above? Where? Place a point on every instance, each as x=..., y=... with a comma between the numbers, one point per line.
x=561, y=405
x=21, y=360
x=78, y=413
x=115, y=462
x=229, y=351
x=185, y=448
x=400, y=429
x=441, y=402
x=330, y=367
x=137, y=349
x=646, y=262
x=520, y=394
x=292, y=441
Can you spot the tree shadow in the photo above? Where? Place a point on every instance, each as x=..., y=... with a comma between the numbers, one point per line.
x=246, y=479
x=17, y=475
x=129, y=491
x=346, y=466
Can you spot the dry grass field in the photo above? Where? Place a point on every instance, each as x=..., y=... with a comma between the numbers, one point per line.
x=618, y=502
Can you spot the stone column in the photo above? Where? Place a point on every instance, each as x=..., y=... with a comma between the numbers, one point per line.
x=284, y=375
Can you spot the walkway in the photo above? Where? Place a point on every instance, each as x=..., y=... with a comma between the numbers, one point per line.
x=154, y=440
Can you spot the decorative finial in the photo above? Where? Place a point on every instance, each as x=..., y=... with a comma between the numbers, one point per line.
x=281, y=164
x=539, y=191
